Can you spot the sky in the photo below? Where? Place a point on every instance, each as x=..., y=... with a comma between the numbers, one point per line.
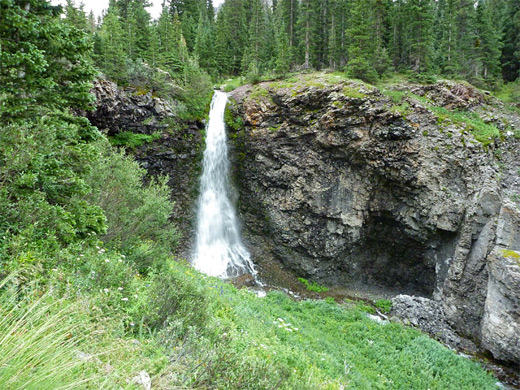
x=97, y=6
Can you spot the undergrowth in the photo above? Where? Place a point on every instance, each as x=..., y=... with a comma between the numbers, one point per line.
x=133, y=140
x=313, y=286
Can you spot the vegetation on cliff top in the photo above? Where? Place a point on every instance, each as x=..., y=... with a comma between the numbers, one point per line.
x=365, y=39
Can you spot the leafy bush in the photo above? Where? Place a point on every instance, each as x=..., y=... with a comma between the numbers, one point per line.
x=133, y=140
x=137, y=214
x=384, y=305
x=313, y=286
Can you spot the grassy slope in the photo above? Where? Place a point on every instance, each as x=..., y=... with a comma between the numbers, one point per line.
x=329, y=346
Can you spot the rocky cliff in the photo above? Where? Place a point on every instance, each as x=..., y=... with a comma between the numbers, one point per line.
x=407, y=190
x=176, y=151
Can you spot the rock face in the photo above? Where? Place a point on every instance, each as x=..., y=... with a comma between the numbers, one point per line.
x=176, y=153
x=127, y=109
x=342, y=184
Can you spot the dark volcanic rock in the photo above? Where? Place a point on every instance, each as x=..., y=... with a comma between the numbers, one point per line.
x=120, y=109
x=177, y=153
x=341, y=185
x=428, y=315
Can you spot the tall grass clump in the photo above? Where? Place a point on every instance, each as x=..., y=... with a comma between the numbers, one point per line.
x=41, y=341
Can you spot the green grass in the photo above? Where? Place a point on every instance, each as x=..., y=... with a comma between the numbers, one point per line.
x=233, y=83
x=326, y=346
x=509, y=93
x=191, y=331
x=384, y=305
x=470, y=121
x=313, y=286
x=47, y=345
x=133, y=140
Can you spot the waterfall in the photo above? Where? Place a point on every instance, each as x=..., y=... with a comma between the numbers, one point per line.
x=219, y=249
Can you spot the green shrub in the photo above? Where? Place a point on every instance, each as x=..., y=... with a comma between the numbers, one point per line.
x=133, y=140
x=313, y=286
x=137, y=214
x=175, y=297
x=384, y=305
x=232, y=84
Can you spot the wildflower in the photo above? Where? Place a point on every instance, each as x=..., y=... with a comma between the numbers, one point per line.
x=97, y=247
x=135, y=295
x=132, y=324
x=105, y=290
x=123, y=256
x=120, y=288
x=124, y=299
x=55, y=269
x=107, y=261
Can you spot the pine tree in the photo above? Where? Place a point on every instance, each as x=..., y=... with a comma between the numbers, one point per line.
x=231, y=36
x=381, y=59
x=336, y=35
x=467, y=40
x=138, y=31
x=446, y=38
x=420, y=30
x=398, y=45
x=76, y=16
x=282, y=49
x=361, y=46
x=253, y=54
x=306, y=24
x=110, y=48
x=289, y=11
x=511, y=50
x=43, y=62
x=169, y=33
x=489, y=44
x=204, y=48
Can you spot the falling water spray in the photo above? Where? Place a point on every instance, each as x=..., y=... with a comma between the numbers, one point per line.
x=219, y=249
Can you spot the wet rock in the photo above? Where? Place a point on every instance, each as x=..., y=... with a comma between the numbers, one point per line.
x=246, y=280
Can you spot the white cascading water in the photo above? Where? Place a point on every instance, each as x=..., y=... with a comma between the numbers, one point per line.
x=219, y=249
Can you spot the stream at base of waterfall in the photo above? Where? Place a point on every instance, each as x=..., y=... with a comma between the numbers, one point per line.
x=219, y=249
